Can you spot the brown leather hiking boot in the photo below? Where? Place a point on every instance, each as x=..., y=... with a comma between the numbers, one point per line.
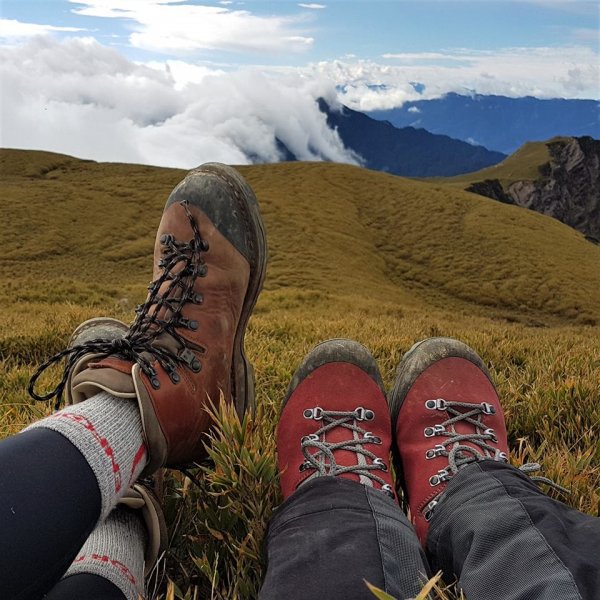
x=186, y=345
x=335, y=420
x=446, y=414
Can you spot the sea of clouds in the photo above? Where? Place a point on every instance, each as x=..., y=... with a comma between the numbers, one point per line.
x=80, y=97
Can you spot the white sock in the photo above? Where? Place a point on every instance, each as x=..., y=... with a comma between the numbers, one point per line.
x=115, y=551
x=108, y=433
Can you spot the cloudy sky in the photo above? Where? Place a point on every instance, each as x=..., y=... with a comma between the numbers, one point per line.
x=178, y=82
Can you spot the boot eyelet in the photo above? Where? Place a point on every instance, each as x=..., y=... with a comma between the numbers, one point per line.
x=380, y=463
x=441, y=476
x=491, y=433
x=197, y=298
x=204, y=246
x=202, y=271
x=364, y=414
x=311, y=437
x=166, y=238
x=196, y=366
x=437, y=404
x=388, y=489
x=193, y=325
x=488, y=409
x=155, y=383
x=501, y=456
x=313, y=413
x=371, y=439
x=433, y=431
x=429, y=510
x=304, y=466
x=175, y=377
x=437, y=450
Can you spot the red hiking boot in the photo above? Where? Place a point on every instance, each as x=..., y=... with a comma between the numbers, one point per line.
x=446, y=414
x=335, y=420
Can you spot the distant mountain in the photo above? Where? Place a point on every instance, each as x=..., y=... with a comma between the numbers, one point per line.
x=559, y=178
x=408, y=151
x=497, y=122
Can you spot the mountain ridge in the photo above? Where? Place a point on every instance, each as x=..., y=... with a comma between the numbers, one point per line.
x=498, y=122
x=407, y=151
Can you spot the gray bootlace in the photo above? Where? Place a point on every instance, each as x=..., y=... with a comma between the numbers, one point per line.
x=460, y=454
x=323, y=461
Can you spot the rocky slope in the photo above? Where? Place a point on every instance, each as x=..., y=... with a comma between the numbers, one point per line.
x=568, y=186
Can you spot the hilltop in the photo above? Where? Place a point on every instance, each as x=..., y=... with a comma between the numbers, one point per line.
x=559, y=178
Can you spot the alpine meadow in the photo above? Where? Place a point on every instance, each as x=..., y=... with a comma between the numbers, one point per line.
x=354, y=253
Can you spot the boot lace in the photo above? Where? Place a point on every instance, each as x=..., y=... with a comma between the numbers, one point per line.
x=160, y=314
x=458, y=453
x=319, y=453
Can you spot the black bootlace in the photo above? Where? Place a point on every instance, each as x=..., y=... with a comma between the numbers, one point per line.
x=137, y=345
x=323, y=459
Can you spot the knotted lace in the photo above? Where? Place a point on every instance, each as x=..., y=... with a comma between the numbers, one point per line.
x=322, y=458
x=458, y=453
x=160, y=314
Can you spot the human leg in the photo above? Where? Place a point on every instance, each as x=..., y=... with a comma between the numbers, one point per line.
x=493, y=513
x=482, y=521
x=113, y=553
x=340, y=523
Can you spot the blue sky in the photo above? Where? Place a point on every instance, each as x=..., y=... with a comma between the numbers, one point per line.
x=176, y=83
x=366, y=29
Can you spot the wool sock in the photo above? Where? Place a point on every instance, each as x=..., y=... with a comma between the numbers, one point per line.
x=115, y=551
x=108, y=433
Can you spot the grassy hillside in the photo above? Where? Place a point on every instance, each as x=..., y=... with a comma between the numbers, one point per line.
x=355, y=253
x=521, y=165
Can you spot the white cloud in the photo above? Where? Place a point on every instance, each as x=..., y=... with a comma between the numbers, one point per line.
x=414, y=109
x=169, y=26
x=563, y=72
x=78, y=97
x=313, y=6
x=10, y=29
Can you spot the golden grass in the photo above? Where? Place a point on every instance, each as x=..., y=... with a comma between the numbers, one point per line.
x=522, y=165
x=353, y=253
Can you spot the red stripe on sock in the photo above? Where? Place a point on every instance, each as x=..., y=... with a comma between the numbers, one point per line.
x=102, y=441
x=103, y=558
x=139, y=455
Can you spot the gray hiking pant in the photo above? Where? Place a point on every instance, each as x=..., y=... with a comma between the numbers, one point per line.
x=494, y=531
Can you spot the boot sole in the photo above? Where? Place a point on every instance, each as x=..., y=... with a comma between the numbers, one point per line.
x=242, y=371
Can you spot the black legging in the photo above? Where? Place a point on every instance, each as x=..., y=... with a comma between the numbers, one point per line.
x=49, y=505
